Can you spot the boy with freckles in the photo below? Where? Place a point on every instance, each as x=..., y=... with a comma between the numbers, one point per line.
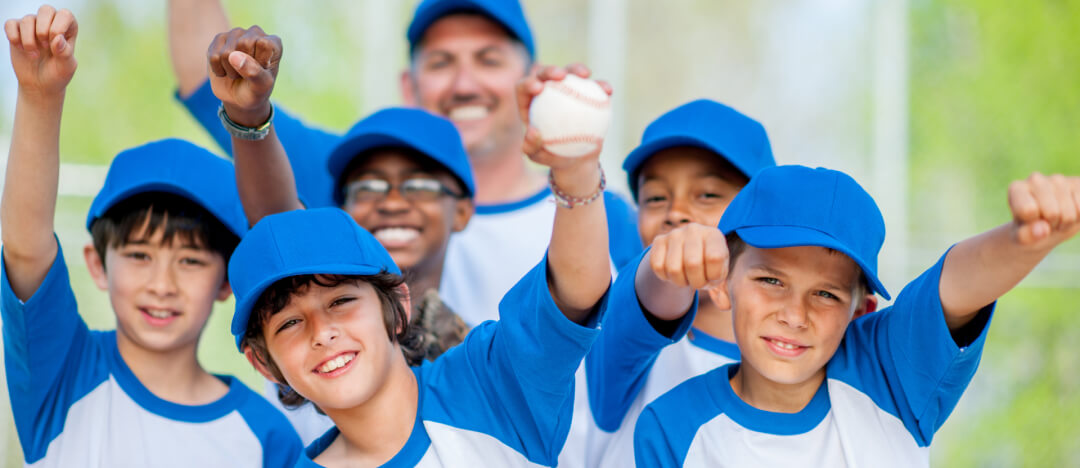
x=795, y=257
x=163, y=227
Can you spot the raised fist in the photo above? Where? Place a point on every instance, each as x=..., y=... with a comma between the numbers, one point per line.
x=42, y=50
x=1045, y=209
x=695, y=256
x=243, y=67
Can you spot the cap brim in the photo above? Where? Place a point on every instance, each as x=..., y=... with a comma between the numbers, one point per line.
x=101, y=207
x=243, y=309
x=637, y=157
x=776, y=237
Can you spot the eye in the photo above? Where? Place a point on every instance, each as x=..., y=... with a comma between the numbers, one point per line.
x=418, y=186
x=654, y=199
x=366, y=189
x=288, y=323
x=712, y=196
x=828, y=295
x=193, y=261
x=341, y=300
x=770, y=281
x=136, y=255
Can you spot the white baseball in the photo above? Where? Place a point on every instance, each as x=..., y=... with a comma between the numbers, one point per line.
x=572, y=115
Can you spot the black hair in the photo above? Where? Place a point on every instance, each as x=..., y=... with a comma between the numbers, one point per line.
x=179, y=219
x=278, y=295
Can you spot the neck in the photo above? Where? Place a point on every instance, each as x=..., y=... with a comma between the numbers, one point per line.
x=373, y=432
x=173, y=375
x=764, y=394
x=504, y=178
x=714, y=320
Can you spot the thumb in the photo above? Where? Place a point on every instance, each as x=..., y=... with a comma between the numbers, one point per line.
x=248, y=67
x=1032, y=232
x=718, y=293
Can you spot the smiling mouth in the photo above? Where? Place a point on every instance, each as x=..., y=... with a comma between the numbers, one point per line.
x=158, y=316
x=784, y=348
x=337, y=365
x=396, y=236
x=467, y=113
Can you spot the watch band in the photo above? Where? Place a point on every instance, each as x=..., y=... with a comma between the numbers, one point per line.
x=242, y=132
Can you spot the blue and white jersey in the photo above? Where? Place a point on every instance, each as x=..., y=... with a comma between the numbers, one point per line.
x=502, y=398
x=76, y=403
x=632, y=364
x=895, y=378
x=502, y=242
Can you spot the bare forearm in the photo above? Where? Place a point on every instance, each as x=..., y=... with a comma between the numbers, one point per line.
x=578, y=259
x=30, y=188
x=264, y=177
x=192, y=25
x=981, y=269
x=664, y=300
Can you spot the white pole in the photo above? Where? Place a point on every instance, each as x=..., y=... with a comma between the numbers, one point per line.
x=890, y=137
x=607, y=59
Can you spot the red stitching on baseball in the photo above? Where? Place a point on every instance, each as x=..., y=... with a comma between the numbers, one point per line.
x=563, y=88
x=574, y=139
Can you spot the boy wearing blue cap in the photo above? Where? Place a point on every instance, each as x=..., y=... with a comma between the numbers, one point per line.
x=328, y=319
x=465, y=58
x=163, y=227
x=815, y=386
x=402, y=174
x=690, y=164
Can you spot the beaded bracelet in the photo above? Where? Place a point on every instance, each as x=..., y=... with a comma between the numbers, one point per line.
x=568, y=201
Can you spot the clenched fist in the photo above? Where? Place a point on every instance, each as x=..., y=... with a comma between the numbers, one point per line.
x=243, y=68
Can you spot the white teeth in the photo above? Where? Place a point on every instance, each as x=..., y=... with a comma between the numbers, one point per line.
x=396, y=234
x=159, y=313
x=335, y=364
x=467, y=113
x=784, y=345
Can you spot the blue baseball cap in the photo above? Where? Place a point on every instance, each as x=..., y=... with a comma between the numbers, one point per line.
x=420, y=130
x=508, y=13
x=177, y=167
x=790, y=206
x=301, y=242
x=705, y=124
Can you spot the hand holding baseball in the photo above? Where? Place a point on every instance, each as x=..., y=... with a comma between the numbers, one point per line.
x=1045, y=209
x=576, y=173
x=695, y=256
x=42, y=50
x=243, y=68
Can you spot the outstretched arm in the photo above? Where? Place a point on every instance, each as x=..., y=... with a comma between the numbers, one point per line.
x=192, y=24
x=243, y=68
x=579, y=270
x=42, y=54
x=979, y=270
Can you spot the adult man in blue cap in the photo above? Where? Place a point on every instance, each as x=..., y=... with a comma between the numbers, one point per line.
x=465, y=58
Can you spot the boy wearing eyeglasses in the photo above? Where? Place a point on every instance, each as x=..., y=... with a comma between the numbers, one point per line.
x=400, y=173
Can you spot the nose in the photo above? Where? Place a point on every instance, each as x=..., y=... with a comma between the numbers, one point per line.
x=162, y=281
x=678, y=213
x=793, y=314
x=393, y=201
x=323, y=331
x=465, y=84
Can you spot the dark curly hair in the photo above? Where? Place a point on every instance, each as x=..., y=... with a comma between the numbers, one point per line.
x=277, y=296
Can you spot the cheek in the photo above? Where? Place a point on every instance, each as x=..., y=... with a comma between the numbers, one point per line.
x=649, y=222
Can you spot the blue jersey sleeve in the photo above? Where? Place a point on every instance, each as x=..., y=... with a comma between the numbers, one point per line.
x=49, y=357
x=624, y=241
x=907, y=360
x=280, y=443
x=667, y=426
x=306, y=146
x=514, y=379
x=620, y=360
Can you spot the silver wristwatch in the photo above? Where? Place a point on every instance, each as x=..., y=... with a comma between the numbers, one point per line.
x=242, y=132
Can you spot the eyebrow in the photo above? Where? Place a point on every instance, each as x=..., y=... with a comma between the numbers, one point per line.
x=767, y=269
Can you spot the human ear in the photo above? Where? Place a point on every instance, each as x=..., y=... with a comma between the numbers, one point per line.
x=406, y=301
x=259, y=366
x=224, y=292
x=869, y=305
x=408, y=89
x=96, y=265
x=463, y=211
